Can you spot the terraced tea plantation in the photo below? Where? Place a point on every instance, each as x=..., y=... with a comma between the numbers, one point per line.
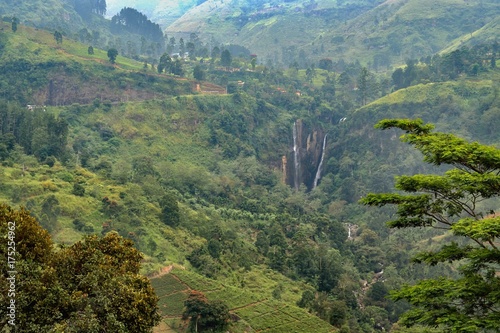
x=250, y=311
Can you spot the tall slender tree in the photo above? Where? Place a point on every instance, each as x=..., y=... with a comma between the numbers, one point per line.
x=15, y=22
x=226, y=58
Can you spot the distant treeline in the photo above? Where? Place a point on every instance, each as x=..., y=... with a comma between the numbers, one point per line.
x=133, y=21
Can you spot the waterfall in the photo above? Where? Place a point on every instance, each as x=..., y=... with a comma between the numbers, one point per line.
x=318, y=172
x=296, y=157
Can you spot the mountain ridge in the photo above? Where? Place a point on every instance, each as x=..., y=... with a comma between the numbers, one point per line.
x=382, y=30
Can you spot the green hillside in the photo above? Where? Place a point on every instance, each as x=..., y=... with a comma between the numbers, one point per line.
x=255, y=311
x=66, y=73
x=254, y=192
x=133, y=36
x=52, y=14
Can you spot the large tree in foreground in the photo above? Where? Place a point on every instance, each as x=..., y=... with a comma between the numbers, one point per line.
x=91, y=286
x=455, y=201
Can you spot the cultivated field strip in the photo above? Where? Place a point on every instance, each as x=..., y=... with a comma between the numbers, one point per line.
x=196, y=282
x=257, y=312
x=167, y=285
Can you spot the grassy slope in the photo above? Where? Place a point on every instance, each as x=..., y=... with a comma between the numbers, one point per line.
x=39, y=181
x=487, y=34
x=39, y=45
x=77, y=76
x=52, y=14
x=256, y=310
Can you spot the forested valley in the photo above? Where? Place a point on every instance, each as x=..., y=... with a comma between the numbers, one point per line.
x=178, y=184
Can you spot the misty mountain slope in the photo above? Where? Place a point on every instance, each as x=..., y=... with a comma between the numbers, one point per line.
x=486, y=34
x=265, y=27
x=377, y=33
x=50, y=14
x=84, y=20
x=410, y=29
x=163, y=12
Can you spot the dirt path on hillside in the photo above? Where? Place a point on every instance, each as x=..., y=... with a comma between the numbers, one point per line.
x=164, y=271
x=249, y=305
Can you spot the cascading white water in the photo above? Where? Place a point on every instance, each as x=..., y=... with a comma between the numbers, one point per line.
x=296, y=160
x=318, y=172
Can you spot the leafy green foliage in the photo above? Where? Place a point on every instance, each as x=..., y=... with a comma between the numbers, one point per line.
x=206, y=316
x=198, y=73
x=78, y=190
x=450, y=201
x=226, y=58
x=112, y=54
x=91, y=286
x=15, y=22
x=169, y=210
x=165, y=63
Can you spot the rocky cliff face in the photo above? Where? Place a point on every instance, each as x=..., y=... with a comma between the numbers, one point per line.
x=300, y=165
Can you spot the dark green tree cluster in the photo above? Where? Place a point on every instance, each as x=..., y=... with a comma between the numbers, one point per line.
x=297, y=248
x=325, y=306
x=226, y=58
x=205, y=315
x=223, y=249
x=38, y=132
x=457, y=202
x=169, y=65
x=198, y=73
x=133, y=21
x=112, y=54
x=170, y=214
x=91, y=286
x=305, y=248
x=326, y=64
